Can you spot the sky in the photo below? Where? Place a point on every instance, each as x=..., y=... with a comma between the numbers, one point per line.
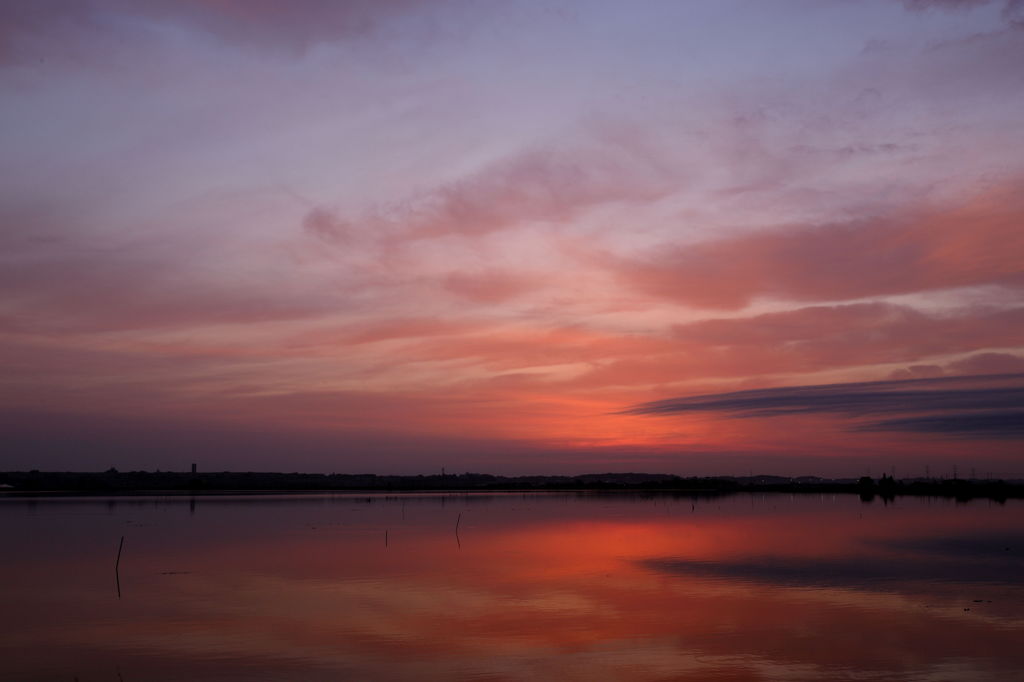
x=515, y=236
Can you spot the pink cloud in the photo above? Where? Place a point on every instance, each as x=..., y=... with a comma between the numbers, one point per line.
x=135, y=290
x=549, y=186
x=988, y=363
x=517, y=348
x=385, y=329
x=328, y=227
x=917, y=372
x=922, y=249
x=491, y=286
x=809, y=340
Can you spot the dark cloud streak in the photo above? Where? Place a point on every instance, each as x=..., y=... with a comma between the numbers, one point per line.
x=990, y=425
x=987, y=406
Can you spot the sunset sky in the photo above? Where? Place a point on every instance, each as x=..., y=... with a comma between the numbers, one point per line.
x=390, y=236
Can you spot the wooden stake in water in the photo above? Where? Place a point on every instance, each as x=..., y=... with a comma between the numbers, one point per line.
x=457, y=522
x=117, y=567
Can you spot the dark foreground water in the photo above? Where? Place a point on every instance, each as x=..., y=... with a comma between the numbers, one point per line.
x=530, y=587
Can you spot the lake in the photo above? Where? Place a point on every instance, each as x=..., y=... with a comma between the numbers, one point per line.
x=509, y=586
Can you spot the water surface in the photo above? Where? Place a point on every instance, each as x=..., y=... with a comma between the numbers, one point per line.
x=497, y=587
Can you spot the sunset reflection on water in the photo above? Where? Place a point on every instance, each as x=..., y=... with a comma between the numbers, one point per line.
x=531, y=587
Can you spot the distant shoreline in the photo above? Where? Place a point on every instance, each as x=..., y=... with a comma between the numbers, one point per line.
x=113, y=482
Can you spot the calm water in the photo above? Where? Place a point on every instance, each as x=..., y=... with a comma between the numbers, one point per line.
x=532, y=587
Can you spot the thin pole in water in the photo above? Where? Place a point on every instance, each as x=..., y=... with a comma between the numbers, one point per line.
x=117, y=567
